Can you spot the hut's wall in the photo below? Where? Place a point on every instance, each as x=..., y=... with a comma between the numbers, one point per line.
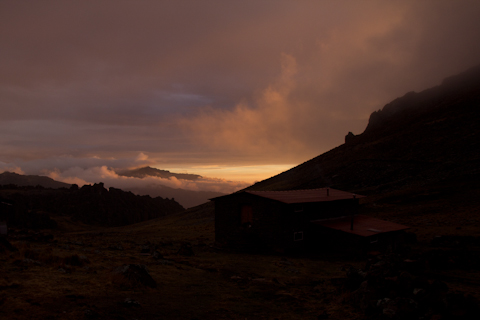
x=273, y=224
x=267, y=228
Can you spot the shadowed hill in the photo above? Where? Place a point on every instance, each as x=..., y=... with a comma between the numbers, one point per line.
x=417, y=141
x=418, y=161
x=187, y=198
x=93, y=205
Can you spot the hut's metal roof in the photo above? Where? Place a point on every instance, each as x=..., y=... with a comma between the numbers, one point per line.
x=362, y=225
x=308, y=195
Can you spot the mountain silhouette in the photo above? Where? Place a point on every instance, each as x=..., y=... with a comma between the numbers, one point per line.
x=153, y=172
x=187, y=198
x=30, y=180
x=419, y=156
x=421, y=140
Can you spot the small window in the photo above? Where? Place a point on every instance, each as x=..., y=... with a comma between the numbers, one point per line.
x=246, y=214
x=298, y=236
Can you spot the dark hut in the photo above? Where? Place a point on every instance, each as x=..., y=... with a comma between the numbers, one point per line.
x=283, y=220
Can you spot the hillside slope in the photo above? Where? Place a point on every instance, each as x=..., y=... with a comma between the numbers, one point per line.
x=418, y=161
x=418, y=140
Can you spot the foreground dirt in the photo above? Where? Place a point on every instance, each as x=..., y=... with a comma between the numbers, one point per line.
x=72, y=277
x=70, y=273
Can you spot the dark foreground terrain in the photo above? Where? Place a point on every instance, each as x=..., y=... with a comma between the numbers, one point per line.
x=75, y=275
x=169, y=268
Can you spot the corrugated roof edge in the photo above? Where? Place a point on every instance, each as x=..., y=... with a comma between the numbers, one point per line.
x=301, y=196
x=363, y=225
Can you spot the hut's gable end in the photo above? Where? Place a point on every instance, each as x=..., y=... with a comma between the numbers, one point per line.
x=245, y=218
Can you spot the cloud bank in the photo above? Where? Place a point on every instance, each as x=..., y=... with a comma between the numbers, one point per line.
x=82, y=171
x=111, y=179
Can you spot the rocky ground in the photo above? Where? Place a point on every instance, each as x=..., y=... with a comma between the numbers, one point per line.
x=169, y=268
x=166, y=269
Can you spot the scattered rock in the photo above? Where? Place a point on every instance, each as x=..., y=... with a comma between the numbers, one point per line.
x=118, y=247
x=83, y=259
x=186, y=250
x=76, y=260
x=451, y=241
x=384, y=290
x=91, y=314
x=284, y=263
x=5, y=245
x=323, y=315
x=157, y=255
x=292, y=270
x=165, y=262
x=75, y=296
x=136, y=275
x=130, y=303
x=146, y=249
x=31, y=261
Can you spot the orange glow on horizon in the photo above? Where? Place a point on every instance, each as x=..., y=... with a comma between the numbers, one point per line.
x=249, y=174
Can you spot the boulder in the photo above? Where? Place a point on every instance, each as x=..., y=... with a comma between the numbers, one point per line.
x=135, y=275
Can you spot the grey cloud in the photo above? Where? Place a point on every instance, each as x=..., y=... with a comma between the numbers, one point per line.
x=66, y=163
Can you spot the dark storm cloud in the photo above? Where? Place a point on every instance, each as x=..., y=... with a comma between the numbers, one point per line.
x=213, y=82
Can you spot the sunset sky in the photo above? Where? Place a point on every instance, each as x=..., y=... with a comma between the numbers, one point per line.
x=236, y=91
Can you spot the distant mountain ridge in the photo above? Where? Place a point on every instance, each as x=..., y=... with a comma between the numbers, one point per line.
x=30, y=180
x=153, y=172
x=187, y=198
